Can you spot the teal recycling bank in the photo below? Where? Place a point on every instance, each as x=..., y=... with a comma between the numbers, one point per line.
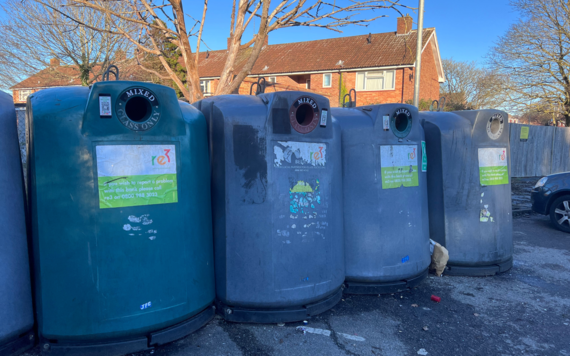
x=120, y=197
x=16, y=309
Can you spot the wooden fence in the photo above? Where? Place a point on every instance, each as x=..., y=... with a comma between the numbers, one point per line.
x=546, y=151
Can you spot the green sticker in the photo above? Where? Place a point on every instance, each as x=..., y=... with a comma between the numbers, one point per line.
x=524, y=133
x=424, y=157
x=399, y=166
x=134, y=175
x=493, y=169
x=118, y=192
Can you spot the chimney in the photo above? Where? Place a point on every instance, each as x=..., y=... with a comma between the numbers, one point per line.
x=54, y=62
x=120, y=55
x=404, y=25
x=229, y=41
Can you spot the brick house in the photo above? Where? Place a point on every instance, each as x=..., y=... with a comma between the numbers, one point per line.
x=380, y=67
x=57, y=75
x=53, y=76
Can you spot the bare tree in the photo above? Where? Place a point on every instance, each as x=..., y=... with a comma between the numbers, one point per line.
x=34, y=33
x=156, y=20
x=537, y=116
x=535, y=55
x=469, y=86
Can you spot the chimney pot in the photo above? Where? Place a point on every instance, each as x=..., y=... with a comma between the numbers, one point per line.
x=404, y=25
x=54, y=62
x=120, y=55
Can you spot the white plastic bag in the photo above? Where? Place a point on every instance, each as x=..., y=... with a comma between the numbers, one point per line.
x=439, y=257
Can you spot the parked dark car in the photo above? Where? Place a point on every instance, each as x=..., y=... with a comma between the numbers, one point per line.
x=551, y=196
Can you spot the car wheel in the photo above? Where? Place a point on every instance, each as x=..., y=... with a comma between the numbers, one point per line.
x=560, y=213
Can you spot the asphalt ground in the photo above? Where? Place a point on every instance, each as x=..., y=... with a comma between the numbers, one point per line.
x=525, y=311
x=520, y=192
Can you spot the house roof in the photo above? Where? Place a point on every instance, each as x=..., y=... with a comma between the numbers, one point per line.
x=384, y=50
x=68, y=75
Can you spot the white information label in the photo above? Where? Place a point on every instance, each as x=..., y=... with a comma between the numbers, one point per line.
x=492, y=157
x=289, y=153
x=105, y=106
x=493, y=168
x=399, y=164
x=133, y=175
x=324, y=114
x=129, y=160
x=398, y=156
x=386, y=122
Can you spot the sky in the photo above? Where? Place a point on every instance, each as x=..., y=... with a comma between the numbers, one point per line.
x=466, y=29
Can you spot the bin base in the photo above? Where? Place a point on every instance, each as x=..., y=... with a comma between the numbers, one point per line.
x=122, y=347
x=284, y=315
x=479, y=271
x=24, y=342
x=385, y=287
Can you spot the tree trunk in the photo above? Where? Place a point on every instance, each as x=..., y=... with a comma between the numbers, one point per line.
x=234, y=83
x=84, y=75
x=192, y=76
x=227, y=75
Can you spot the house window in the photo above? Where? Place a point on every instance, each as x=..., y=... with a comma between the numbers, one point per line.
x=205, y=87
x=308, y=85
x=271, y=80
x=377, y=80
x=23, y=94
x=327, y=80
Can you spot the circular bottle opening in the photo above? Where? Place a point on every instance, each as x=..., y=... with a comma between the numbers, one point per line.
x=401, y=122
x=304, y=114
x=138, y=109
x=495, y=125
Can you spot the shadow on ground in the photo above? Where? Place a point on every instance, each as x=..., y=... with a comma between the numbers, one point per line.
x=524, y=311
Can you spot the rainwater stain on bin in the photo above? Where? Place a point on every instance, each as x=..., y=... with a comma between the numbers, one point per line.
x=385, y=198
x=120, y=197
x=469, y=189
x=16, y=311
x=277, y=205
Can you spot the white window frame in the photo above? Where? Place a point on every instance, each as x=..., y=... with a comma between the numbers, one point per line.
x=22, y=96
x=307, y=83
x=206, y=86
x=376, y=74
x=271, y=80
x=330, y=81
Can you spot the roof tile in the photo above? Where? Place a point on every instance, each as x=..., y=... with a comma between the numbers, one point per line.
x=384, y=49
x=68, y=75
